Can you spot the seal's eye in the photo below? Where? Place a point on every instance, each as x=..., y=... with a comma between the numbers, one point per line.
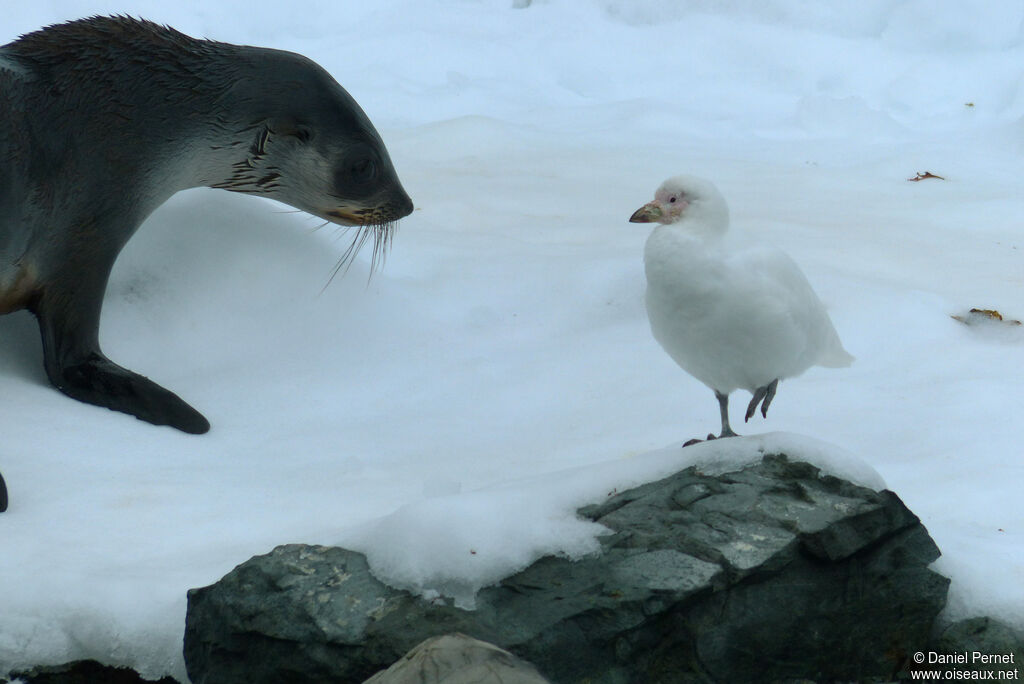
x=303, y=135
x=363, y=171
x=359, y=172
x=672, y=200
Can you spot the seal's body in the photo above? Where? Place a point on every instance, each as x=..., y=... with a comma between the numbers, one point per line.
x=103, y=119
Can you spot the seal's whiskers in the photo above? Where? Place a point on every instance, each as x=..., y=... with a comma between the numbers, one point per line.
x=382, y=234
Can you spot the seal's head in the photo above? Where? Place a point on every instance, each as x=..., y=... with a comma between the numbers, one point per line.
x=311, y=146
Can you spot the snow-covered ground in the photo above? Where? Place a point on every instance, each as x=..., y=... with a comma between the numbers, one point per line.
x=499, y=371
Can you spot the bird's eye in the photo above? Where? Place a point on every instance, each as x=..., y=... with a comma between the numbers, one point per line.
x=672, y=200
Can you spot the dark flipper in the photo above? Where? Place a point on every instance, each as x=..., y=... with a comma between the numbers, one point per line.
x=69, y=323
x=97, y=380
x=3, y=495
x=764, y=396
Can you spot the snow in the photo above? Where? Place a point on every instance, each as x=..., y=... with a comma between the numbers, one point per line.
x=499, y=372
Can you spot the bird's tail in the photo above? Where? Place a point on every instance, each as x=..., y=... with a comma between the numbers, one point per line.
x=837, y=358
x=834, y=356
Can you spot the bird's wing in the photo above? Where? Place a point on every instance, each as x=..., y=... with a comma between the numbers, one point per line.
x=778, y=287
x=777, y=273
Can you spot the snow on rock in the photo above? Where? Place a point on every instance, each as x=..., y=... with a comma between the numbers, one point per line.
x=456, y=544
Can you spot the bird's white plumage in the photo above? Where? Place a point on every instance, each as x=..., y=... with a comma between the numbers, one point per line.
x=734, y=318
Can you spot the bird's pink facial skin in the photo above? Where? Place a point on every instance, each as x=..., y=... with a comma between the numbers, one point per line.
x=672, y=205
x=665, y=208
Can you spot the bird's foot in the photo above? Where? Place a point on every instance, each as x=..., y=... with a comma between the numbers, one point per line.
x=696, y=440
x=97, y=380
x=763, y=396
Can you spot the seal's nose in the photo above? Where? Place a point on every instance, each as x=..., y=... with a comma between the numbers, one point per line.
x=404, y=206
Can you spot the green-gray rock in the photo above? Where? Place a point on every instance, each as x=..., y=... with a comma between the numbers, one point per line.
x=771, y=573
x=987, y=645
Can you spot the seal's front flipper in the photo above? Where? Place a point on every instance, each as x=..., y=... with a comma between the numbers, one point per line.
x=68, y=311
x=97, y=380
x=3, y=495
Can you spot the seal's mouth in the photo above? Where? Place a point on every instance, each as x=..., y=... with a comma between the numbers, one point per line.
x=345, y=218
x=379, y=222
x=378, y=214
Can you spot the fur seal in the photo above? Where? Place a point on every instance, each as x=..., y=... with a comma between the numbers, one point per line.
x=103, y=119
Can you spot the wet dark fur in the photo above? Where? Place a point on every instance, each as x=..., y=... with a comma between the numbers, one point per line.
x=103, y=119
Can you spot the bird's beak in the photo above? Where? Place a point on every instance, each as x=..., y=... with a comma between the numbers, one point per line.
x=649, y=213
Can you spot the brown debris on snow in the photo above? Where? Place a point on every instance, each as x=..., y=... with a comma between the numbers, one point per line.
x=921, y=176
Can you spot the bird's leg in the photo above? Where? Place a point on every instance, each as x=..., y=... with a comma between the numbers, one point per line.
x=723, y=408
x=768, y=396
x=766, y=393
x=752, y=406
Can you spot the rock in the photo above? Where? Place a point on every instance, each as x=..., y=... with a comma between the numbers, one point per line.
x=774, y=572
x=458, y=659
x=84, y=672
x=306, y=614
x=986, y=637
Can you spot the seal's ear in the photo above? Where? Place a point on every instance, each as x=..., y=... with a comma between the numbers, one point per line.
x=271, y=129
x=259, y=148
x=291, y=128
